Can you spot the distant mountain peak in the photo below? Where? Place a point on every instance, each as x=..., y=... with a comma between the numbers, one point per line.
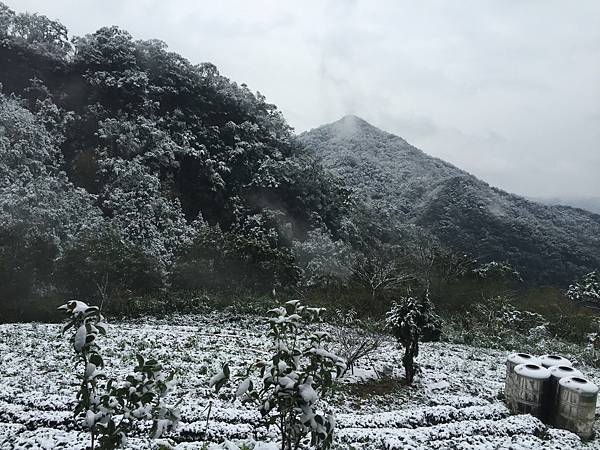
x=464, y=213
x=352, y=126
x=352, y=119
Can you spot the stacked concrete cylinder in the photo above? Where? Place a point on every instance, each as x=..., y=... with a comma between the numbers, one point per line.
x=513, y=361
x=577, y=399
x=550, y=361
x=557, y=373
x=530, y=391
x=552, y=390
x=554, y=360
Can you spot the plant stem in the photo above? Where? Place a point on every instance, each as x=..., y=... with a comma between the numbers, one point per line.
x=208, y=416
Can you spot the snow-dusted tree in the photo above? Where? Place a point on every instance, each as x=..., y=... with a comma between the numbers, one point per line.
x=256, y=246
x=356, y=338
x=249, y=257
x=99, y=264
x=498, y=271
x=586, y=290
x=379, y=273
x=409, y=320
x=133, y=198
x=40, y=210
x=322, y=260
x=36, y=31
x=300, y=372
x=110, y=409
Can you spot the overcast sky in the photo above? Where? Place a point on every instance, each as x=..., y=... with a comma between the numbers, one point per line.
x=508, y=90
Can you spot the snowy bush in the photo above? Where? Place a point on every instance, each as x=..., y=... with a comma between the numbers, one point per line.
x=498, y=314
x=593, y=343
x=410, y=319
x=497, y=271
x=586, y=290
x=497, y=322
x=107, y=408
x=300, y=372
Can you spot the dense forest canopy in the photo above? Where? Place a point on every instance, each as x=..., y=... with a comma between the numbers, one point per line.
x=128, y=166
x=127, y=171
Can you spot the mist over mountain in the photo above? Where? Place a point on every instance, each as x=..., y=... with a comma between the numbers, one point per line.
x=547, y=244
x=591, y=204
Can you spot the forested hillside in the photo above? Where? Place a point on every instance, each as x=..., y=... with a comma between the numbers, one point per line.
x=548, y=244
x=129, y=176
x=124, y=169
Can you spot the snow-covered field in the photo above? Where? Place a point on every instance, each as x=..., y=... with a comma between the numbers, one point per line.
x=453, y=404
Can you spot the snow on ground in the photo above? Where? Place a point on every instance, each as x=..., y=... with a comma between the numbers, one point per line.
x=453, y=404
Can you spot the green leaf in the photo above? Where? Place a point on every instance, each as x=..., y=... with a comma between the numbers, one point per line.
x=101, y=328
x=67, y=326
x=96, y=359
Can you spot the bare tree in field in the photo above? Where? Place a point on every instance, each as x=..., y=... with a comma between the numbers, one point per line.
x=378, y=274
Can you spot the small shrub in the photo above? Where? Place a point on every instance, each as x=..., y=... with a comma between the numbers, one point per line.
x=109, y=409
x=410, y=319
x=300, y=372
x=586, y=290
x=355, y=338
x=498, y=313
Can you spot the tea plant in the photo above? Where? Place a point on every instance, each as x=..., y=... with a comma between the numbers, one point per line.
x=107, y=408
x=299, y=373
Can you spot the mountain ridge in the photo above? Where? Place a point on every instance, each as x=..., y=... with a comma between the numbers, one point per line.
x=546, y=243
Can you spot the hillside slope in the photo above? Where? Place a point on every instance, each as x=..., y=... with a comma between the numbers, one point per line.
x=549, y=244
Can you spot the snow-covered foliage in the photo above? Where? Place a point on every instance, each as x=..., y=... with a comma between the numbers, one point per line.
x=145, y=217
x=587, y=289
x=40, y=210
x=497, y=270
x=35, y=194
x=410, y=319
x=453, y=403
x=300, y=372
x=107, y=408
x=499, y=314
x=123, y=137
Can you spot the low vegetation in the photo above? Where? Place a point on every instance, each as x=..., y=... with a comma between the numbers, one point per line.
x=300, y=372
x=454, y=399
x=107, y=407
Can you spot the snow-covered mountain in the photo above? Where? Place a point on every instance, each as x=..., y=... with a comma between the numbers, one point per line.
x=545, y=243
